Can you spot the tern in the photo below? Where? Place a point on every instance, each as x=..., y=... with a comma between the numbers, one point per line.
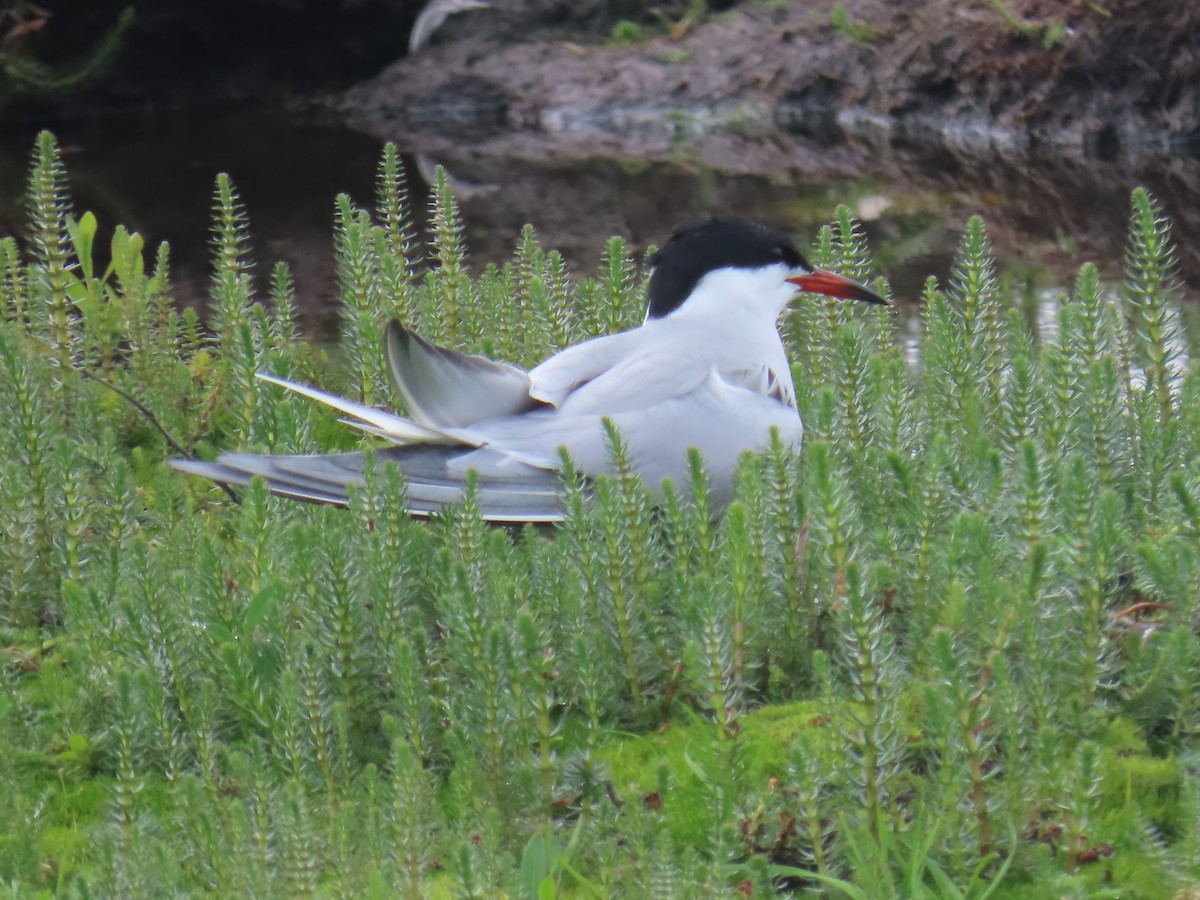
x=707, y=369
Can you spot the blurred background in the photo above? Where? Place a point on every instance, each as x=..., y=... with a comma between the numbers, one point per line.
x=601, y=117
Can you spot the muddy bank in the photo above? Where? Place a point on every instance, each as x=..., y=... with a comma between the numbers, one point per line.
x=1111, y=79
x=1051, y=115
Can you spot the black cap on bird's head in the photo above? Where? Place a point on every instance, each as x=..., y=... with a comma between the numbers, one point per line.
x=727, y=243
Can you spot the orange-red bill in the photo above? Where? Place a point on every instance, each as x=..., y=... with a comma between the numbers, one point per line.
x=831, y=284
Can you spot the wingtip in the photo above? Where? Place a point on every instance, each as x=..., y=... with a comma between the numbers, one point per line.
x=213, y=471
x=394, y=326
x=310, y=479
x=272, y=379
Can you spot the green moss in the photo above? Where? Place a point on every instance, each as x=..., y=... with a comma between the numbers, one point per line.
x=1136, y=787
x=1132, y=874
x=679, y=762
x=438, y=886
x=1128, y=875
x=673, y=56
x=80, y=804
x=626, y=32
x=849, y=29
x=63, y=846
x=1137, y=782
x=47, y=825
x=768, y=732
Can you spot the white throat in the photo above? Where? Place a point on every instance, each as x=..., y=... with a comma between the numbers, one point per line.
x=739, y=295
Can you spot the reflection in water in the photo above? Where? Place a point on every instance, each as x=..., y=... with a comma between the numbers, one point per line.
x=156, y=176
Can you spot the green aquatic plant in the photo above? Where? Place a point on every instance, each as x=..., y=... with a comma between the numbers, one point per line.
x=850, y=29
x=948, y=650
x=1050, y=34
x=24, y=75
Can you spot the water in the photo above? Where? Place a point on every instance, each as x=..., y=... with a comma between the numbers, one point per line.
x=156, y=175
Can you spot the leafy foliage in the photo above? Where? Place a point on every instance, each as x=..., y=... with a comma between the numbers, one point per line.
x=951, y=650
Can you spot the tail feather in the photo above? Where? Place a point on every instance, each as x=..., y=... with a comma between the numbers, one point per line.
x=397, y=429
x=225, y=474
x=530, y=495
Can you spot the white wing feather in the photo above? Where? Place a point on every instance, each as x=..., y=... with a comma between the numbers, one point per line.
x=399, y=429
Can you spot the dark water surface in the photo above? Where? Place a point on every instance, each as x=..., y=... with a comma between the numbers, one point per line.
x=156, y=176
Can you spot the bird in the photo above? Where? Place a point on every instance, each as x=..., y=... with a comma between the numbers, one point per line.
x=706, y=369
x=434, y=16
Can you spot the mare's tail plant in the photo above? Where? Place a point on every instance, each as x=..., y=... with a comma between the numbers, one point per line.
x=948, y=650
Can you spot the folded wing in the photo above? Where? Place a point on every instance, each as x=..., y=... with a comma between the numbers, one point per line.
x=445, y=388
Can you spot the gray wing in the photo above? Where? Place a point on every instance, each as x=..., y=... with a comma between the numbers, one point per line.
x=722, y=419
x=639, y=381
x=447, y=389
x=434, y=460
x=653, y=364
x=506, y=492
x=566, y=371
x=515, y=481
